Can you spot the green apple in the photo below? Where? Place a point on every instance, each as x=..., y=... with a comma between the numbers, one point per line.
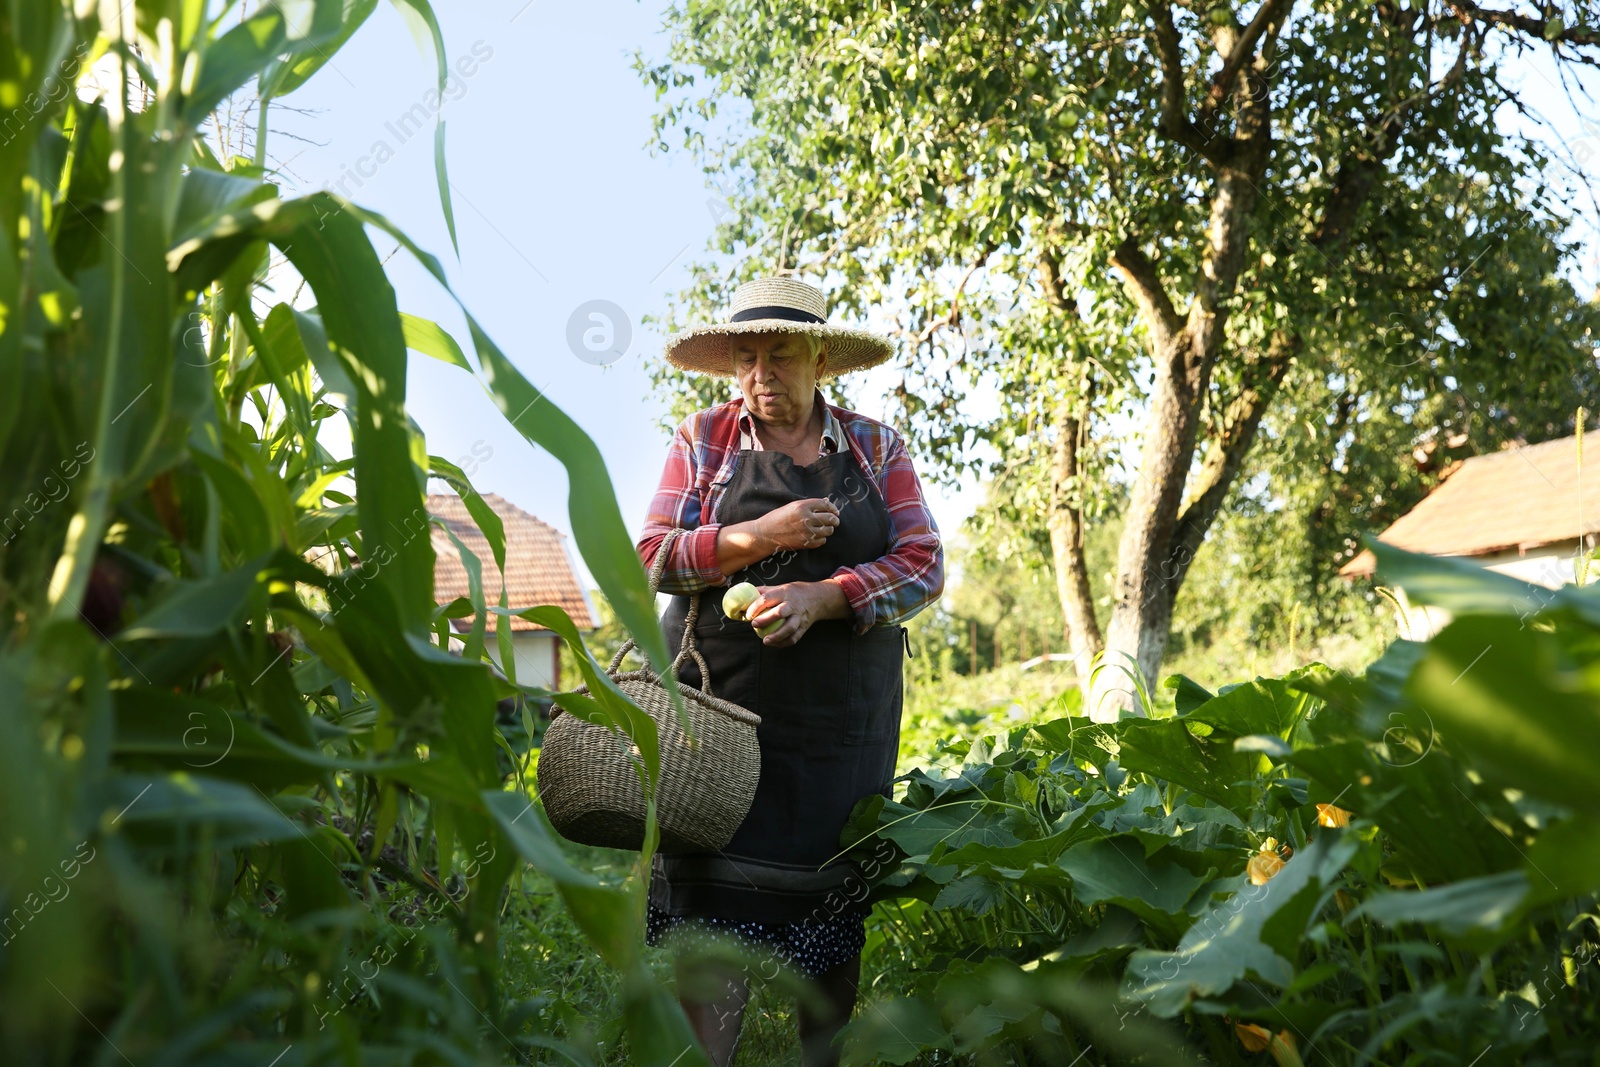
x=770, y=627
x=737, y=600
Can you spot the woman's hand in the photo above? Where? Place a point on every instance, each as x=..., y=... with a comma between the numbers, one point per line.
x=798, y=605
x=799, y=524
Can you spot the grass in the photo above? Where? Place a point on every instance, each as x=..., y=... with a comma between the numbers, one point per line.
x=965, y=705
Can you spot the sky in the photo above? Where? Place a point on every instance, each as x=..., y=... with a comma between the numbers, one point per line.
x=559, y=204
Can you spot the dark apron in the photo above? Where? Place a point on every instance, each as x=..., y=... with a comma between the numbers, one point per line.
x=829, y=707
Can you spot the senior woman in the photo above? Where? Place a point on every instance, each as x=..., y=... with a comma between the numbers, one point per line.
x=820, y=508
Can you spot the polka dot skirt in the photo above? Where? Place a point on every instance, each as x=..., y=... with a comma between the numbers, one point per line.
x=810, y=946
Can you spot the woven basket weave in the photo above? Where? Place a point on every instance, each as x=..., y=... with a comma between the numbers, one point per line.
x=586, y=772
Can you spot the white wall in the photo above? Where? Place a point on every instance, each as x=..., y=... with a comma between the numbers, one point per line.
x=536, y=653
x=536, y=657
x=1548, y=565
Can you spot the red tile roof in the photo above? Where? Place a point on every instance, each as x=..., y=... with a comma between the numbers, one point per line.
x=539, y=569
x=1517, y=498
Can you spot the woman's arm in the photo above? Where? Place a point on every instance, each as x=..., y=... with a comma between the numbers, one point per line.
x=692, y=560
x=742, y=544
x=910, y=575
x=890, y=589
x=710, y=552
x=798, y=524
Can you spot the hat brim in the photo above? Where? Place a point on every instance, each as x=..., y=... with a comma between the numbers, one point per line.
x=706, y=349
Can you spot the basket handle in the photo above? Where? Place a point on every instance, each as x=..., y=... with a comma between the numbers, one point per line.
x=686, y=646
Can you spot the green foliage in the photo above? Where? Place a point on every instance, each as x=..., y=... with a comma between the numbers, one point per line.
x=258, y=807
x=1388, y=283
x=1392, y=867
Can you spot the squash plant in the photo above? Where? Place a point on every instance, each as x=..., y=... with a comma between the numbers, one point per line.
x=1318, y=868
x=251, y=796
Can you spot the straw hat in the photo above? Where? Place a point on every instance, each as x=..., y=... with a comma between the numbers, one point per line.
x=772, y=304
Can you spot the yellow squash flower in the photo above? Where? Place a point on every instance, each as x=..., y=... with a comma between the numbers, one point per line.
x=1266, y=863
x=1259, y=1039
x=1328, y=815
x=1254, y=1038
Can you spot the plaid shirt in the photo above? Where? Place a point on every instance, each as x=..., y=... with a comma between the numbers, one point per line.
x=700, y=464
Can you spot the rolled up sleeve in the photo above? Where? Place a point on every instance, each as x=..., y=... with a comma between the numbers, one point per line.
x=691, y=563
x=910, y=576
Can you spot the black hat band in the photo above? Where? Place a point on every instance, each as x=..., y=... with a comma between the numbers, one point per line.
x=776, y=311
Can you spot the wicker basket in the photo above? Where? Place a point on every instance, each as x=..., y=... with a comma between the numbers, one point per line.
x=586, y=772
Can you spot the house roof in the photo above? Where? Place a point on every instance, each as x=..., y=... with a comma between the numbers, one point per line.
x=1518, y=498
x=538, y=569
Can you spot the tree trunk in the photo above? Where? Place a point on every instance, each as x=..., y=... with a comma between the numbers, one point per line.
x=1158, y=540
x=1066, y=543
x=1143, y=595
x=1149, y=564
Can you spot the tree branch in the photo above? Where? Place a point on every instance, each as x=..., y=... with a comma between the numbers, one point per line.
x=1139, y=275
x=952, y=318
x=1266, y=15
x=1469, y=12
x=1227, y=453
x=1175, y=122
x=1065, y=522
x=1359, y=173
x=1055, y=287
x=1363, y=165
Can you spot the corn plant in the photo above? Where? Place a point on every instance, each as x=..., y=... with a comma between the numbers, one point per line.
x=251, y=794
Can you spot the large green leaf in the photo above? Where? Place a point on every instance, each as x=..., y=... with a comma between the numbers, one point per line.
x=329, y=247
x=283, y=76
x=1441, y=825
x=1565, y=861
x=424, y=26
x=612, y=918
x=997, y=998
x=128, y=314
x=185, y=811
x=1469, y=906
x=488, y=523
x=946, y=827
x=250, y=48
x=1114, y=870
x=1466, y=588
x=1264, y=706
x=310, y=867
x=1522, y=702
x=417, y=680
x=314, y=339
x=205, y=195
x=597, y=525
x=333, y=253
x=200, y=607
x=473, y=646
x=431, y=339
x=1485, y=911
x=1074, y=826
x=1168, y=749
x=898, y=1031
x=1251, y=935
